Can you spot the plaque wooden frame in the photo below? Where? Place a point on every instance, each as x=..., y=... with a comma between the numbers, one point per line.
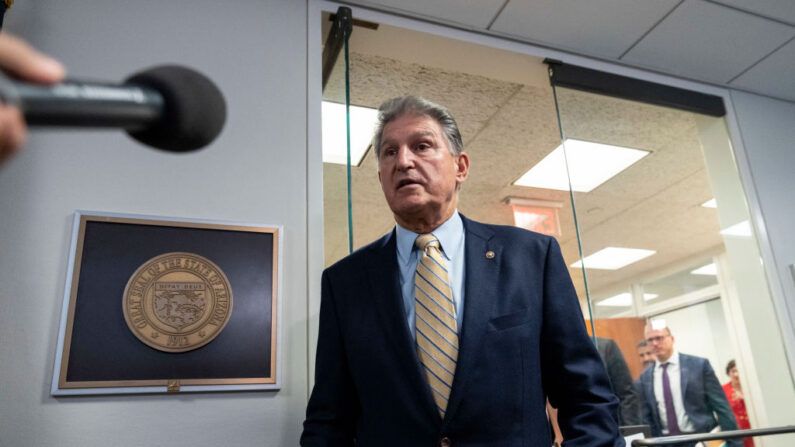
x=97, y=353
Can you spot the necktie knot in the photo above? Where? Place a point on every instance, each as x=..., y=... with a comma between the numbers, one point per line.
x=665, y=365
x=425, y=241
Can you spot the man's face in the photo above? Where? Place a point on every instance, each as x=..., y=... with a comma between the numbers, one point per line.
x=418, y=174
x=661, y=342
x=646, y=355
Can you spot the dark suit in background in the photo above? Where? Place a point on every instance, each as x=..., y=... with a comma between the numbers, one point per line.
x=523, y=338
x=702, y=395
x=621, y=380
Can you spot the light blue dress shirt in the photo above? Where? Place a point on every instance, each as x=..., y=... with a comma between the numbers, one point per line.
x=451, y=239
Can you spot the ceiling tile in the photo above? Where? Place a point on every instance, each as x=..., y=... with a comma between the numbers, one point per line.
x=707, y=41
x=777, y=9
x=773, y=76
x=477, y=13
x=603, y=28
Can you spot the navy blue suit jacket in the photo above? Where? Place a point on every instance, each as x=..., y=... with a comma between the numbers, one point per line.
x=702, y=394
x=523, y=338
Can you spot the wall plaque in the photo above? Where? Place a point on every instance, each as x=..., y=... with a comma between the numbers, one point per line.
x=168, y=305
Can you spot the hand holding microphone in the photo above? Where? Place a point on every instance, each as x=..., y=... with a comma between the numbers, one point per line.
x=19, y=59
x=168, y=107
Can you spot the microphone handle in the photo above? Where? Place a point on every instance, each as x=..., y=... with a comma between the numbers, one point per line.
x=86, y=104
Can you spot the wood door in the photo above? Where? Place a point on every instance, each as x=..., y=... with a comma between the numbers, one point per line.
x=626, y=332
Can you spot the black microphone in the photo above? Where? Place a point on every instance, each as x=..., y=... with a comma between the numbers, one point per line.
x=167, y=107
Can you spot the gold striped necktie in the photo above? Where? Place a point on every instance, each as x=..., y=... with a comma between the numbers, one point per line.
x=437, y=330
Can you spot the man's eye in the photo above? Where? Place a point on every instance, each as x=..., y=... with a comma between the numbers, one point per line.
x=423, y=146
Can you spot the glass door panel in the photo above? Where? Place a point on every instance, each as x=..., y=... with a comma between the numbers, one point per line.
x=656, y=249
x=638, y=179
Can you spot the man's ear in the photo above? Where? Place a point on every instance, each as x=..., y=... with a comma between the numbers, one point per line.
x=462, y=168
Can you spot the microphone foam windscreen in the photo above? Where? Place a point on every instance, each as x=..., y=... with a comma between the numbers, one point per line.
x=194, y=109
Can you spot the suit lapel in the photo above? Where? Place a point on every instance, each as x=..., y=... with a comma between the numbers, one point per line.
x=479, y=289
x=384, y=276
x=652, y=399
x=683, y=375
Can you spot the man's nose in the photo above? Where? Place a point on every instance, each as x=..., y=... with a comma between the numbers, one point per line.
x=405, y=158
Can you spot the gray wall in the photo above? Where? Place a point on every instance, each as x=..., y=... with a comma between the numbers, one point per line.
x=768, y=134
x=255, y=50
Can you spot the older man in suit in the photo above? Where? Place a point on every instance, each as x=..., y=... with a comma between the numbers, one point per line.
x=681, y=393
x=447, y=331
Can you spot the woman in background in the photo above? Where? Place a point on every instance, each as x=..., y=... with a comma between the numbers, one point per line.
x=734, y=393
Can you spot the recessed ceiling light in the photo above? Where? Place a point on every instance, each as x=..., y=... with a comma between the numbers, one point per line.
x=589, y=165
x=613, y=258
x=623, y=299
x=739, y=229
x=658, y=324
x=620, y=300
x=650, y=296
x=709, y=269
x=711, y=203
x=335, y=140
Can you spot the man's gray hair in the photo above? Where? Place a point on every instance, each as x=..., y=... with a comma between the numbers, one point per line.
x=393, y=108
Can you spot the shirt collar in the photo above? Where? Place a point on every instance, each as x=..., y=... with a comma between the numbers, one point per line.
x=449, y=234
x=673, y=360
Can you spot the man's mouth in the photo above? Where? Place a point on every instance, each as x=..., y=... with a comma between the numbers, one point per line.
x=407, y=182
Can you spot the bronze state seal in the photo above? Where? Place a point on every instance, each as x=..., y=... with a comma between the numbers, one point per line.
x=177, y=302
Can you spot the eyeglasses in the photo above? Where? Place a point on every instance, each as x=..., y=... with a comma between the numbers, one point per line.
x=656, y=339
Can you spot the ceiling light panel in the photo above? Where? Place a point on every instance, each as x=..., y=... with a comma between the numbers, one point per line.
x=620, y=300
x=613, y=258
x=711, y=203
x=623, y=300
x=589, y=165
x=742, y=229
x=709, y=269
x=335, y=140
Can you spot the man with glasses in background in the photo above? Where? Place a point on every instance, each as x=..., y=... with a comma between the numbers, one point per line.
x=681, y=394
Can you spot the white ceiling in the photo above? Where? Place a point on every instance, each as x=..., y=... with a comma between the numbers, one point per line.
x=743, y=44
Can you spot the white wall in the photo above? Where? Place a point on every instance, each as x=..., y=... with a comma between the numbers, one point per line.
x=255, y=50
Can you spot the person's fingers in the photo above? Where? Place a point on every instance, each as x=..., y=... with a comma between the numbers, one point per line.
x=13, y=132
x=22, y=60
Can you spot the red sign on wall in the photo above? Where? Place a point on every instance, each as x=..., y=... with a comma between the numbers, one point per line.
x=541, y=219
